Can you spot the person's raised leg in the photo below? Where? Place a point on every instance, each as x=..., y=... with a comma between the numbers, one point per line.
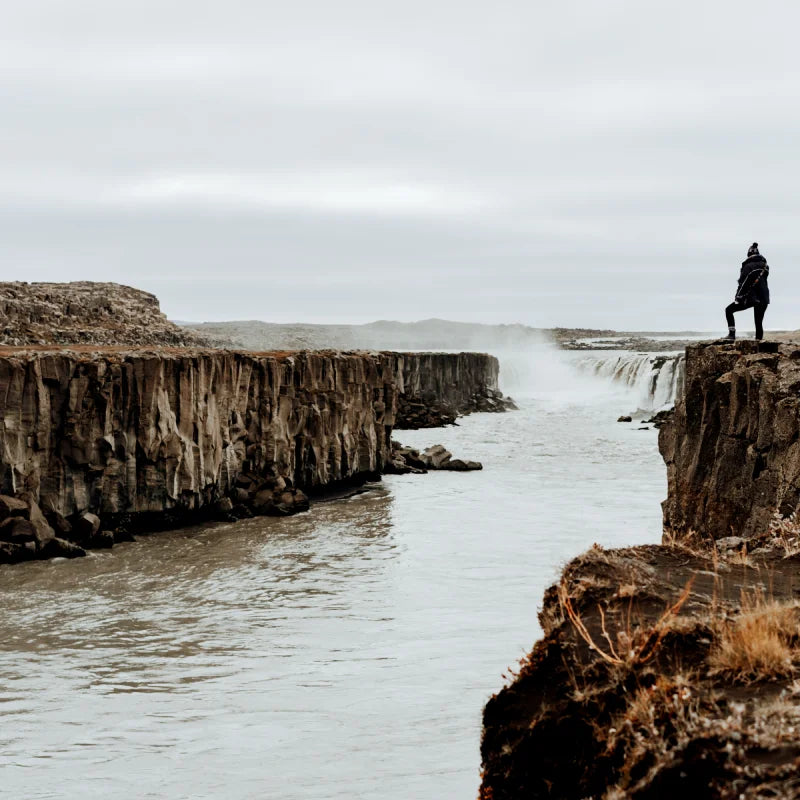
x=759, y=310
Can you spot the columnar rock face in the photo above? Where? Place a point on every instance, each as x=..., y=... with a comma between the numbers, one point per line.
x=85, y=312
x=137, y=431
x=118, y=432
x=732, y=448
x=436, y=387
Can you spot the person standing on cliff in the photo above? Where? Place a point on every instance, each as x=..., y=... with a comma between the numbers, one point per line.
x=752, y=291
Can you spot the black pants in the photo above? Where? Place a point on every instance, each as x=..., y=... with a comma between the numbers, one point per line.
x=759, y=309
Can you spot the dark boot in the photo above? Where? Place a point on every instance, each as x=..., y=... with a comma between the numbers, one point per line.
x=731, y=334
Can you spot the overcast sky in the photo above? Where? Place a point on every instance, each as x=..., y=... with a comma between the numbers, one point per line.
x=592, y=163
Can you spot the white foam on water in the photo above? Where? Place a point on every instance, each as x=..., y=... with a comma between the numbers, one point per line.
x=656, y=380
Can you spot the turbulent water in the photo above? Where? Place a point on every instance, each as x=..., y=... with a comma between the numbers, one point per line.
x=343, y=653
x=656, y=379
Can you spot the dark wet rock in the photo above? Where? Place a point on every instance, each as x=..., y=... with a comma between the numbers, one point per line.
x=84, y=527
x=239, y=495
x=625, y=418
x=457, y=465
x=44, y=533
x=18, y=530
x=61, y=526
x=12, y=507
x=224, y=505
x=661, y=418
x=435, y=457
x=263, y=501
x=290, y=501
x=101, y=540
x=408, y=460
x=16, y=552
x=61, y=548
x=242, y=511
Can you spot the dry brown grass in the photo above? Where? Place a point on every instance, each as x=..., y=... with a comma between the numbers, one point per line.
x=785, y=533
x=634, y=644
x=690, y=541
x=761, y=643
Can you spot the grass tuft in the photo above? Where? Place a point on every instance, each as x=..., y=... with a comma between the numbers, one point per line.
x=761, y=643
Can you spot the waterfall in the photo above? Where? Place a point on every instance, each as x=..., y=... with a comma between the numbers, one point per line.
x=657, y=379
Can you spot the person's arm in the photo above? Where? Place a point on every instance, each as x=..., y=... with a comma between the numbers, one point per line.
x=743, y=275
x=750, y=280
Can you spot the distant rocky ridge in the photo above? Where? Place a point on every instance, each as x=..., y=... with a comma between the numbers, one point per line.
x=428, y=334
x=94, y=313
x=85, y=312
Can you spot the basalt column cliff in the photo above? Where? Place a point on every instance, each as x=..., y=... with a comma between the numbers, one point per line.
x=732, y=448
x=130, y=438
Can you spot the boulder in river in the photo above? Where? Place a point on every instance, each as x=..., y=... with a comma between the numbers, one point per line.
x=406, y=460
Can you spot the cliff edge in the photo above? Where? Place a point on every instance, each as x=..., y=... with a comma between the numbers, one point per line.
x=672, y=670
x=732, y=447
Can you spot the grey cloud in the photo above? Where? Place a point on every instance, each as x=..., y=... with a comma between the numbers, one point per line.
x=575, y=163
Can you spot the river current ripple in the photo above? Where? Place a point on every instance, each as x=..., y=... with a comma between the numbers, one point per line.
x=343, y=653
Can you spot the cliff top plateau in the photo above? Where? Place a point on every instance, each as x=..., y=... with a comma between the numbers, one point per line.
x=85, y=312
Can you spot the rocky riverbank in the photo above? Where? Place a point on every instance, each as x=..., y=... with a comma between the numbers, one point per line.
x=672, y=669
x=100, y=444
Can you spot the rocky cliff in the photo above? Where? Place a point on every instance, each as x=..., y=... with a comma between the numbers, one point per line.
x=670, y=670
x=435, y=388
x=85, y=312
x=732, y=448
x=134, y=438
x=662, y=673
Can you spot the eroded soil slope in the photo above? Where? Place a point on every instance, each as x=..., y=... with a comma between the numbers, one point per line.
x=662, y=673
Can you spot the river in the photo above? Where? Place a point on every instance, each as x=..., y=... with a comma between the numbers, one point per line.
x=342, y=653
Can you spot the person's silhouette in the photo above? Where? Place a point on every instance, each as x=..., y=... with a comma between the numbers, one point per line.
x=752, y=291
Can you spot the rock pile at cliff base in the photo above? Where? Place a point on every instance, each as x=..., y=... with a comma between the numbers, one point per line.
x=414, y=413
x=406, y=460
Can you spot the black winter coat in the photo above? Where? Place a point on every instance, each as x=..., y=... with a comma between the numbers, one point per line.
x=753, y=287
